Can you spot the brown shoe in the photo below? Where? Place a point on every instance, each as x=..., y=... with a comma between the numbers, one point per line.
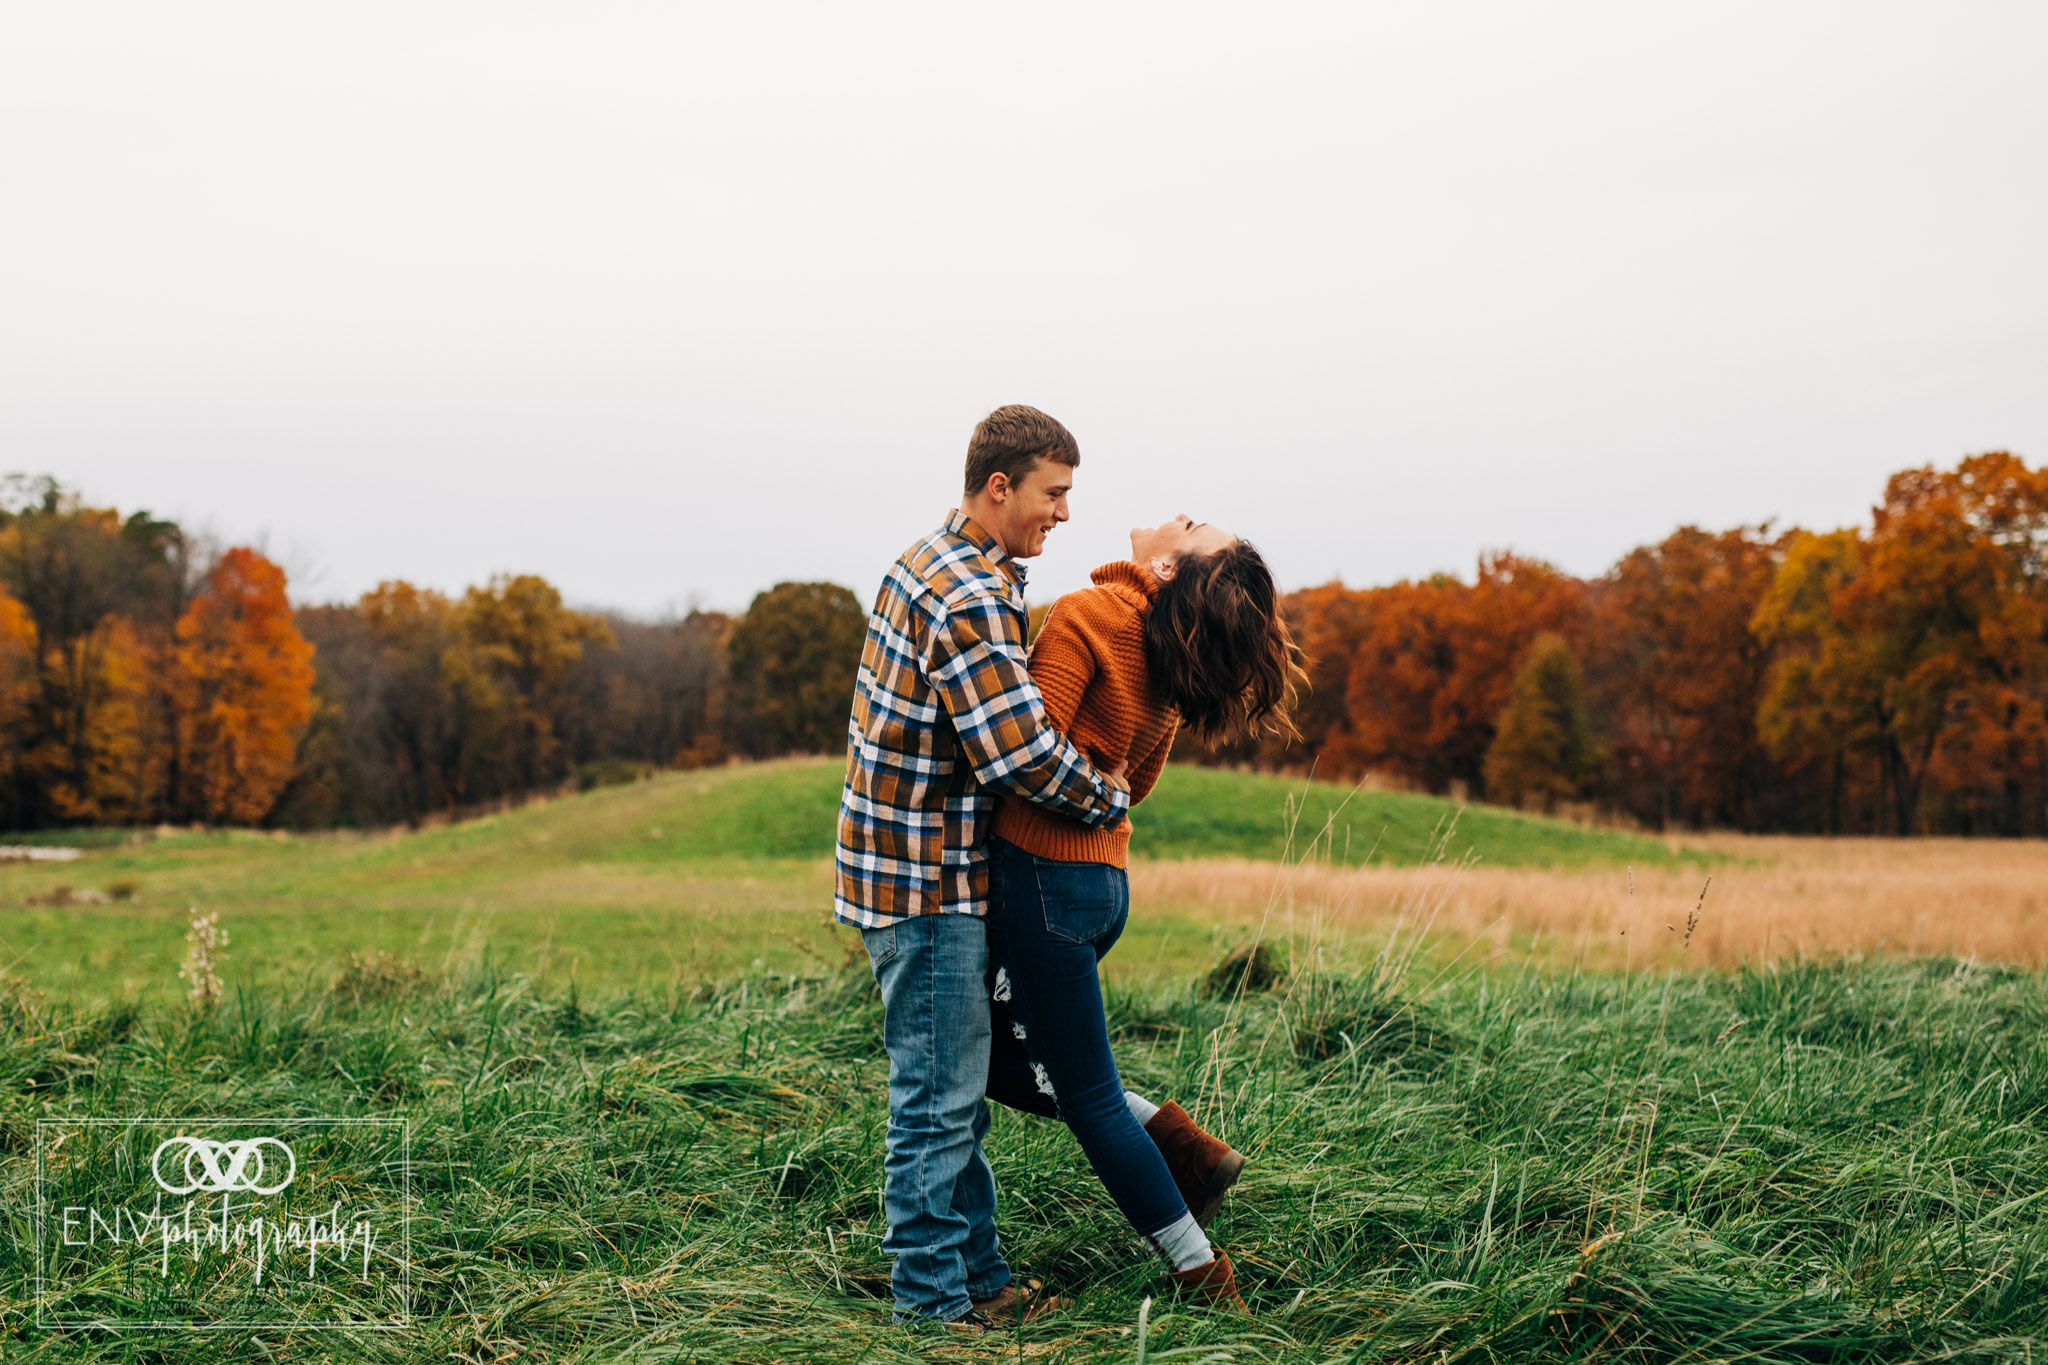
x=1214, y=1284
x=1015, y=1303
x=1204, y=1167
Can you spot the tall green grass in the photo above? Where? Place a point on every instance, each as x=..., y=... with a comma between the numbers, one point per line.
x=1821, y=1163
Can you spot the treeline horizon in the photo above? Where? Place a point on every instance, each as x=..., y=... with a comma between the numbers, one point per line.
x=1889, y=680
x=1892, y=679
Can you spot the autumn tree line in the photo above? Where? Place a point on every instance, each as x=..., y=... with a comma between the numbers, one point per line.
x=148, y=677
x=1884, y=680
x=1881, y=681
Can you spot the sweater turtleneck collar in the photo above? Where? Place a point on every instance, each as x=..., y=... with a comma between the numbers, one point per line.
x=1123, y=574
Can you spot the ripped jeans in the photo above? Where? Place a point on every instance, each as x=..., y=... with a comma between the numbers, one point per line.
x=1049, y=923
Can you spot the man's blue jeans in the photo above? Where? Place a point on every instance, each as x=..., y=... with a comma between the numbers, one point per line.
x=937, y=1189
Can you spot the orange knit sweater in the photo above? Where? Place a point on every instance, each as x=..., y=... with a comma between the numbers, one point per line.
x=1089, y=664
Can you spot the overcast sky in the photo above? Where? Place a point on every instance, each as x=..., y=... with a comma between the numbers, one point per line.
x=669, y=302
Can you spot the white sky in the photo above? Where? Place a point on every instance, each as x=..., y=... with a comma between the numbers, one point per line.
x=669, y=302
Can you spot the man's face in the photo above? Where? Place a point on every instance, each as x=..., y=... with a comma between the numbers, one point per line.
x=1031, y=507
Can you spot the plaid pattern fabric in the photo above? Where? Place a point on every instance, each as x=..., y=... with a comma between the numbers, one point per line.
x=944, y=710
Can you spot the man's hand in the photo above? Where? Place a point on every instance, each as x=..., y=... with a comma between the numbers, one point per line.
x=1119, y=777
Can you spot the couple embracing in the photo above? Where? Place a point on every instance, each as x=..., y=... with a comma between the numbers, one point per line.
x=982, y=845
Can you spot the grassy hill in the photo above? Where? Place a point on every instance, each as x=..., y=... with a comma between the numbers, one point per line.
x=787, y=810
x=685, y=875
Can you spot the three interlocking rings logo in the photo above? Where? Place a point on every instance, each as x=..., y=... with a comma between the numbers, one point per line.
x=246, y=1167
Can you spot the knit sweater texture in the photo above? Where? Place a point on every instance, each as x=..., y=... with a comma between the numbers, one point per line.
x=1089, y=664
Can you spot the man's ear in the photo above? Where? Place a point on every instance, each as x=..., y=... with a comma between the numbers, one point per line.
x=998, y=487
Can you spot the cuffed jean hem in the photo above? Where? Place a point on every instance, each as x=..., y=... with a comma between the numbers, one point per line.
x=989, y=1288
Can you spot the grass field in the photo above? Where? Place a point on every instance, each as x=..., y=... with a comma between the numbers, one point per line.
x=688, y=875
x=645, y=1094
x=697, y=874
x=1827, y=1163
x=1770, y=900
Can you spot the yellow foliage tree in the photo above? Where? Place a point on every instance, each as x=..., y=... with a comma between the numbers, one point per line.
x=17, y=695
x=518, y=646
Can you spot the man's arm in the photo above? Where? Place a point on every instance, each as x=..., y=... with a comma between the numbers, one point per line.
x=977, y=669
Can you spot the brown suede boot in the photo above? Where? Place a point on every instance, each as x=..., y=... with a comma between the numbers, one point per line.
x=1015, y=1303
x=1214, y=1284
x=1204, y=1167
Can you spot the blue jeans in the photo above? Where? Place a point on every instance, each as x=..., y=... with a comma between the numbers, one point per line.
x=937, y=1189
x=1049, y=924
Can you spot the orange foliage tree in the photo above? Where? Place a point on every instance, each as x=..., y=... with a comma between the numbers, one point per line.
x=1433, y=664
x=1924, y=636
x=243, y=691
x=1677, y=675
x=1328, y=624
x=1997, y=745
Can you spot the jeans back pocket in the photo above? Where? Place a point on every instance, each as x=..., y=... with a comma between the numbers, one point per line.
x=1082, y=902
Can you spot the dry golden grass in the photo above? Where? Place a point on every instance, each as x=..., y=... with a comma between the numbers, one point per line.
x=1769, y=898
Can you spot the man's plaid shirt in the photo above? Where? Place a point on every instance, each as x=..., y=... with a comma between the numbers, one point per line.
x=944, y=709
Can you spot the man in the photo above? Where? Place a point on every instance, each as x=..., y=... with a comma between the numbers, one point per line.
x=944, y=714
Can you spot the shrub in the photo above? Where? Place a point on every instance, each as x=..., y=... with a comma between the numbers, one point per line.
x=375, y=976
x=1256, y=966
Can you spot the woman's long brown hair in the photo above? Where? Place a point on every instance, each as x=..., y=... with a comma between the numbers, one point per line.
x=1218, y=648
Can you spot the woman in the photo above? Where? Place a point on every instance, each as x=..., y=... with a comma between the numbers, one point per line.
x=1186, y=632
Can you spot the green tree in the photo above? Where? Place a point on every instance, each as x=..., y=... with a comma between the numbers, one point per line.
x=1544, y=748
x=792, y=660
